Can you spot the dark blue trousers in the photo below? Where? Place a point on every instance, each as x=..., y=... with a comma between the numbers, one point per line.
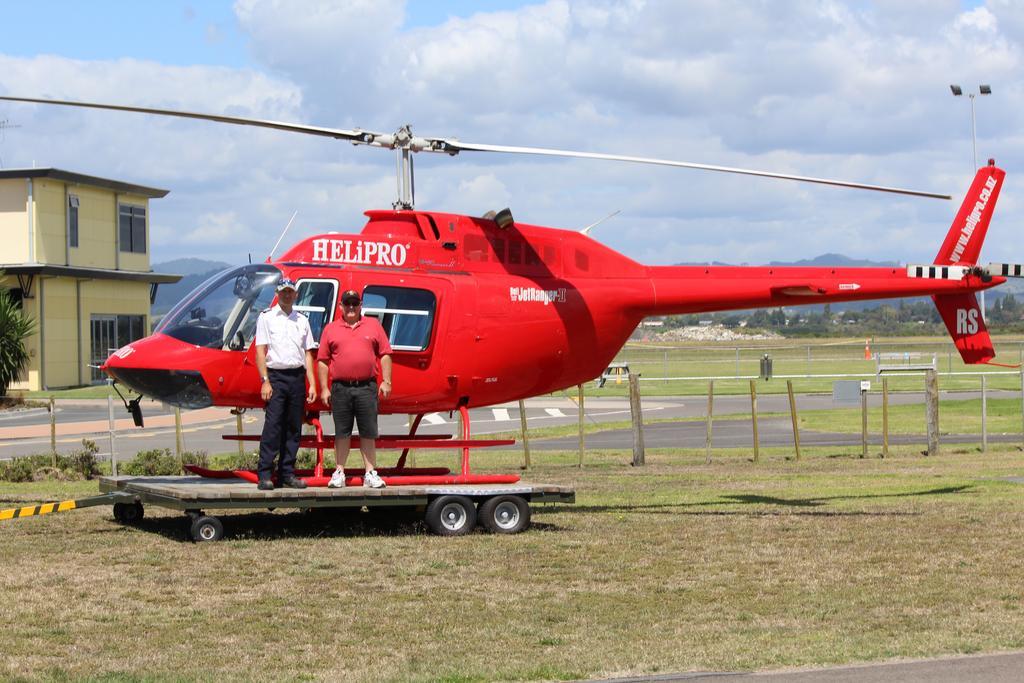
x=282, y=424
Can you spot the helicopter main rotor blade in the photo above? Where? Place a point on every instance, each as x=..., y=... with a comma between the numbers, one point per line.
x=454, y=146
x=403, y=139
x=358, y=136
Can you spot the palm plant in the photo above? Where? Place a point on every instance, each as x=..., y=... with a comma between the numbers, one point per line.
x=15, y=327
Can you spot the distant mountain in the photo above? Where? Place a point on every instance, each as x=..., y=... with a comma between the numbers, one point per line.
x=837, y=260
x=195, y=270
x=823, y=260
x=189, y=266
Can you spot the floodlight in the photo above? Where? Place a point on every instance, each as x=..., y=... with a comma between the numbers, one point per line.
x=985, y=89
x=957, y=90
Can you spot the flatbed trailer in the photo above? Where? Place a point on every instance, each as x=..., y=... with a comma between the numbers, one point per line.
x=449, y=510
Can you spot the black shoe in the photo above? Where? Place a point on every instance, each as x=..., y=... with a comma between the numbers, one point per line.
x=265, y=485
x=293, y=483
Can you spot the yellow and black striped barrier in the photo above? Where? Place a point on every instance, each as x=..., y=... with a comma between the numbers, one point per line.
x=63, y=506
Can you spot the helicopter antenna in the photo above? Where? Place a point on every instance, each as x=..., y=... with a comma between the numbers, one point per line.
x=586, y=230
x=283, y=233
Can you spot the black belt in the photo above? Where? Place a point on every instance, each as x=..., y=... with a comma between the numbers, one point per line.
x=355, y=382
x=288, y=371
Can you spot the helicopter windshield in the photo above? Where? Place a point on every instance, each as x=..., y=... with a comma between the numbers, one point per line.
x=221, y=313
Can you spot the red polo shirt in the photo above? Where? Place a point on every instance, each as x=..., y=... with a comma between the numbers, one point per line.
x=351, y=351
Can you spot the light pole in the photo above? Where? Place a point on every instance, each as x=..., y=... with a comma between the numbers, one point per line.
x=982, y=90
x=958, y=92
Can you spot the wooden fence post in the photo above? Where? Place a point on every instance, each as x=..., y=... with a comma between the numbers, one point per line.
x=179, y=444
x=753, y=415
x=238, y=430
x=638, y=419
x=984, y=414
x=931, y=394
x=526, y=438
x=113, y=450
x=885, y=417
x=792, y=413
x=582, y=441
x=53, y=431
x=863, y=423
x=711, y=410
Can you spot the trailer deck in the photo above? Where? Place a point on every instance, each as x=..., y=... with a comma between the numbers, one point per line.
x=449, y=510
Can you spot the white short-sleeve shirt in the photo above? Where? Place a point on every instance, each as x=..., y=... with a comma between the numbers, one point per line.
x=286, y=336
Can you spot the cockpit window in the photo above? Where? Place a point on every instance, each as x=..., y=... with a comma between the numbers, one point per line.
x=221, y=313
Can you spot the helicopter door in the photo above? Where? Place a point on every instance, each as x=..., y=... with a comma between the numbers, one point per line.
x=415, y=312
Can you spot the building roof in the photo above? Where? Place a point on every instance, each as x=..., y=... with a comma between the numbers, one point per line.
x=87, y=273
x=82, y=179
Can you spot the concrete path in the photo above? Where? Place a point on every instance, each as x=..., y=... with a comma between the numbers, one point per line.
x=995, y=668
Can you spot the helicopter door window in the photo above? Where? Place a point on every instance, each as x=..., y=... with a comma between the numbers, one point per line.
x=406, y=314
x=316, y=299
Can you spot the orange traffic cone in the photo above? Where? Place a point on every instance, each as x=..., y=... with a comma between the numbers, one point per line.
x=867, y=349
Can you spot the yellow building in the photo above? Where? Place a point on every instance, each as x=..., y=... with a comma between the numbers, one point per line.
x=75, y=253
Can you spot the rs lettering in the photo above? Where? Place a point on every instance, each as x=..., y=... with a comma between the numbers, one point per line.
x=966, y=321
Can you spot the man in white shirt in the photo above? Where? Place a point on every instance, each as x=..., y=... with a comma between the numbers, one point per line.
x=284, y=345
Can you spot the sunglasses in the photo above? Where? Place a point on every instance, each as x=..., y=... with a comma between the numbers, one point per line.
x=351, y=304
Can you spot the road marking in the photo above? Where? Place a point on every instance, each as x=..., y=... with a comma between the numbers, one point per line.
x=554, y=412
x=501, y=414
x=433, y=419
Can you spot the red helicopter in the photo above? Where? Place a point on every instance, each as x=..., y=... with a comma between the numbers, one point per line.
x=486, y=310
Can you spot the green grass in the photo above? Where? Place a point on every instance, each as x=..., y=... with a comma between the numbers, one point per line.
x=798, y=357
x=955, y=416
x=672, y=567
x=98, y=391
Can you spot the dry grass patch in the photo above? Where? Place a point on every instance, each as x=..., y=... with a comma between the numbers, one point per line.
x=675, y=566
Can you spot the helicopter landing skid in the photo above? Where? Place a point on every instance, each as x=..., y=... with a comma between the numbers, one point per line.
x=399, y=475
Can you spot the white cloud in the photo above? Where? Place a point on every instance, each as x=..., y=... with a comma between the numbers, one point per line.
x=857, y=91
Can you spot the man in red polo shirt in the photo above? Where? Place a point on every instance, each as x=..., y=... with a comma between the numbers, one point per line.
x=349, y=349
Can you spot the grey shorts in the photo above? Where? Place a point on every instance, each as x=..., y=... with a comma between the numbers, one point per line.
x=354, y=404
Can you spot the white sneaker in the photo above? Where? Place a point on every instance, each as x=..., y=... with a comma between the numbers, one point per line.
x=337, y=479
x=373, y=480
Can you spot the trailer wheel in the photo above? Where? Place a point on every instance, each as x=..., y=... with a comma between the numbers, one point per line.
x=207, y=529
x=505, y=514
x=451, y=515
x=128, y=513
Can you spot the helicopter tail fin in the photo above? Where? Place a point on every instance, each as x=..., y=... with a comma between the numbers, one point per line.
x=962, y=316
x=964, y=239
x=960, y=312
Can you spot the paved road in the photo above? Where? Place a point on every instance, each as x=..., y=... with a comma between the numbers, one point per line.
x=997, y=668
x=26, y=432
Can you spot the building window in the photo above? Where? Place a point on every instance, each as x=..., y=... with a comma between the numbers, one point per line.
x=72, y=220
x=108, y=333
x=407, y=315
x=132, y=228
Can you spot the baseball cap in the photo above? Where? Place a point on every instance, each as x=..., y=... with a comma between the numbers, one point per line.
x=285, y=283
x=351, y=295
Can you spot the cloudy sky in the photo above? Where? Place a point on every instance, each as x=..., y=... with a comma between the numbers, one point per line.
x=851, y=90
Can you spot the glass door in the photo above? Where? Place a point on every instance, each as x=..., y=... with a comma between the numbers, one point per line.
x=103, y=342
